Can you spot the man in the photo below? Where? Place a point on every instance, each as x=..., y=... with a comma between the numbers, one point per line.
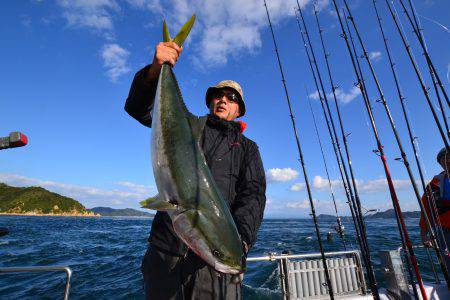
x=439, y=189
x=170, y=269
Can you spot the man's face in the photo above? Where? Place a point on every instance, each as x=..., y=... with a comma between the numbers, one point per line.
x=225, y=104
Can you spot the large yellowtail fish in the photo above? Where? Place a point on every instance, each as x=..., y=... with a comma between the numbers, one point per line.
x=187, y=190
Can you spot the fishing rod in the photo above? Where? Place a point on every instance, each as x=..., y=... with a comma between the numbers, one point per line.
x=430, y=69
x=356, y=205
x=302, y=162
x=362, y=86
x=400, y=221
x=339, y=229
x=416, y=29
x=418, y=74
x=404, y=158
x=347, y=189
x=402, y=98
x=429, y=196
x=370, y=269
x=411, y=138
x=347, y=194
x=312, y=59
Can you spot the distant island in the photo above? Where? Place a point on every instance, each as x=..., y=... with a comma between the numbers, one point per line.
x=37, y=201
x=124, y=212
x=388, y=214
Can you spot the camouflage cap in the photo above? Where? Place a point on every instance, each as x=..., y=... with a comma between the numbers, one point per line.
x=231, y=85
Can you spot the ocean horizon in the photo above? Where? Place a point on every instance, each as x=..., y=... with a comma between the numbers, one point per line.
x=105, y=253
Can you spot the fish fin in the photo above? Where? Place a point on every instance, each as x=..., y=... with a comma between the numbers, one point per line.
x=156, y=203
x=197, y=125
x=184, y=31
x=166, y=34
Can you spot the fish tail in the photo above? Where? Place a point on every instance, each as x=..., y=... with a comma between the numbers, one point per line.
x=166, y=34
x=182, y=34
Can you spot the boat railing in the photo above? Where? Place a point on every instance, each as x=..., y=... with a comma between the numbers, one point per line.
x=302, y=275
x=34, y=269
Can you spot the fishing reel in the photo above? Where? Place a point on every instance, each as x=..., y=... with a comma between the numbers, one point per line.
x=340, y=228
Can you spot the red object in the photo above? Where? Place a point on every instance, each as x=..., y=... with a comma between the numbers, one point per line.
x=17, y=139
x=243, y=125
x=442, y=219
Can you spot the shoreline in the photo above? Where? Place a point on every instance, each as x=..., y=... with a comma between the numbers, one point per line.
x=50, y=215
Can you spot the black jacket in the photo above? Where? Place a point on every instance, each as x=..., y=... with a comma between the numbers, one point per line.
x=233, y=159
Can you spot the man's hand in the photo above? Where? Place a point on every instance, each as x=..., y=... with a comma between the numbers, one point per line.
x=165, y=52
x=237, y=279
x=246, y=248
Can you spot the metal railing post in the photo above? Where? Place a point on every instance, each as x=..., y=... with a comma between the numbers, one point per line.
x=67, y=270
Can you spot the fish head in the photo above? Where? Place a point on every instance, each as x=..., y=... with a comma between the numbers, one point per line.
x=229, y=264
x=213, y=240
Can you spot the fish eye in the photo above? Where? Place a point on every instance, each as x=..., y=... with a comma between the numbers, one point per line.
x=217, y=254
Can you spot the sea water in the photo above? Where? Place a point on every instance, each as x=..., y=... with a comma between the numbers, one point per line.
x=105, y=254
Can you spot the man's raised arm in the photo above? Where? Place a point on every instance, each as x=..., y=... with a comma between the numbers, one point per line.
x=141, y=97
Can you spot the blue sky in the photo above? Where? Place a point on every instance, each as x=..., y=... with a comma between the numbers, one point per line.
x=67, y=67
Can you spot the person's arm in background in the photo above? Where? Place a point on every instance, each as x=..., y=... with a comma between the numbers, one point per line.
x=423, y=229
x=248, y=206
x=432, y=187
x=141, y=97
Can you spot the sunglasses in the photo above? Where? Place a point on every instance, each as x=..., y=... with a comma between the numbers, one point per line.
x=232, y=97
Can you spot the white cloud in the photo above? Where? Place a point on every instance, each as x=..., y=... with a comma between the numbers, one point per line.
x=92, y=14
x=321, y=183
x=375, y=55
x=341, y=95
x=298, y=187
x=380, y=185
x=152, y=5
x=299, y=204
x=321, y=4
x=88, y=196
x=137, y=188
x=223, y=28
x=344, y=97
x=115, y=61
x=369, y=186
x=321, y=206
x=281, y=175
x=315, y=95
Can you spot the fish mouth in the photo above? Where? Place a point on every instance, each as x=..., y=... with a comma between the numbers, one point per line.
x=223, y=268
